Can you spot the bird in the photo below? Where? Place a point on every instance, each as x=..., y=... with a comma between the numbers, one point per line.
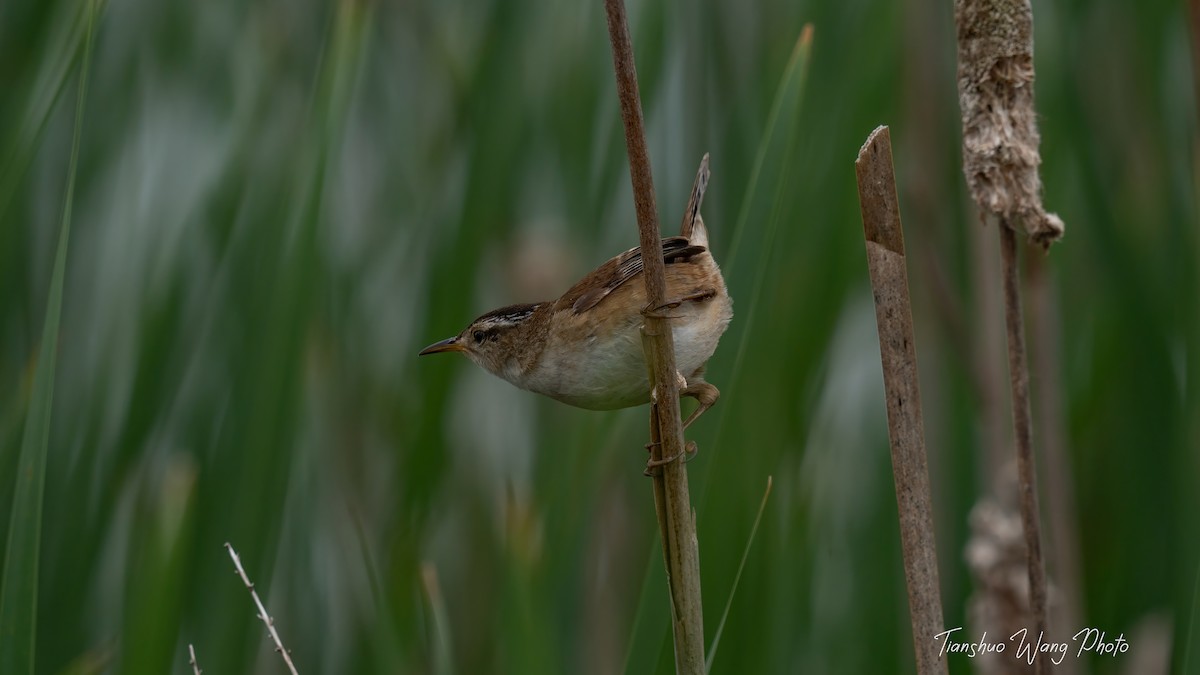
x=585, y=348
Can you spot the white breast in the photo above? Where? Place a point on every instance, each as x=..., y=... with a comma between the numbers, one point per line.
x=611, y=373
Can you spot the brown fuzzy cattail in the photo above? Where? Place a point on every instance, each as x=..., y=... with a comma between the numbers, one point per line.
x=1000, y=134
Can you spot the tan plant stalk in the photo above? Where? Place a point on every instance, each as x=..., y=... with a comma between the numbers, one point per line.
x=671, y=498
x=897, y=347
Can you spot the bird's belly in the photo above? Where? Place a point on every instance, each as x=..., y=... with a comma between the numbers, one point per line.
x=609, y=371
x=696, y=338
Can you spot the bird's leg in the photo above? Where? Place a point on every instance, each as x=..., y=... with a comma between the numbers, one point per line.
x=689, y=448
x=704, y=393
x=653, y=431
x=663, y=311
x=700, y=390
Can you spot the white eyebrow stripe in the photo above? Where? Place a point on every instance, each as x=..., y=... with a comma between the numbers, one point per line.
x=507, y=318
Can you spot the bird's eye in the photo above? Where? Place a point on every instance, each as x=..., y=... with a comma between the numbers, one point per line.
x=478, y=336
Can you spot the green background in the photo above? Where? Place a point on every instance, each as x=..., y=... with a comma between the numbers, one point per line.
x=278, y=203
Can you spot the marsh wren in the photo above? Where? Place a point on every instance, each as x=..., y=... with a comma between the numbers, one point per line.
x=585, y=348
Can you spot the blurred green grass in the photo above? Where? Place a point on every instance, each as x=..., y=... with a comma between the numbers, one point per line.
x=279, y=203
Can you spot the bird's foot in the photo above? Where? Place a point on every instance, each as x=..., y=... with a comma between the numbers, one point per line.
x=654, y=466
x=663, y=311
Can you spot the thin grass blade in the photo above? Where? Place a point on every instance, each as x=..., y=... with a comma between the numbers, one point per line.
x=18, y=597
x=649, y=634
x=712, y=650
x=441, y=647
x=788, y=96
x=783, y=121
x=60, y=54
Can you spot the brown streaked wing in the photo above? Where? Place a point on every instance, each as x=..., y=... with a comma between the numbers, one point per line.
x=612, y=274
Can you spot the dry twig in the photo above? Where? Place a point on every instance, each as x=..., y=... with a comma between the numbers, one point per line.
x=192, y=660
x=671, y=497
x=262, y=611
x=897, y=347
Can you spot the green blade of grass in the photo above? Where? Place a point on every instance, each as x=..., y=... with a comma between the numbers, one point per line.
x=788, y=96
x=649, y=632
x=443, y=663
x=292, y=284
x=712, y=650
x=156, y=567
x=18, y=597
x=61, y=51
x=783, y=120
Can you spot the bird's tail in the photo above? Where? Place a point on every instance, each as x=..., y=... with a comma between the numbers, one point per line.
x=693, y=224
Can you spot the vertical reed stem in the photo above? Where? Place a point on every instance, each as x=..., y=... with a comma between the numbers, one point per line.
x=672, y=501
x=1018, y=371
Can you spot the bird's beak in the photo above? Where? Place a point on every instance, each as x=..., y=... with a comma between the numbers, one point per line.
x=447, y=345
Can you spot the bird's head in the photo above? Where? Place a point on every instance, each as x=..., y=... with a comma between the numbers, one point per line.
x=492, y=341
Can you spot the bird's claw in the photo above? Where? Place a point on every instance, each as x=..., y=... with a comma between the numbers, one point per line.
x=661, y=311
x=654, y=466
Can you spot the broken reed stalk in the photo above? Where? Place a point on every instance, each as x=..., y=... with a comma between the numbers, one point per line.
x=262, y=611
x=897, y=349
x=1000, y=161
x=672, y=501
